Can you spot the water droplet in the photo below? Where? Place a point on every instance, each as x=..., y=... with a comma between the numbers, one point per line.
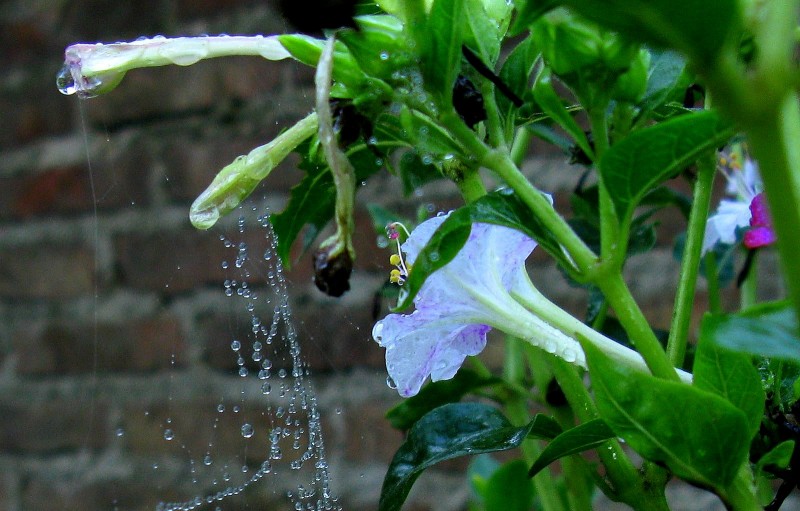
x=384, y=55
x=169, y=434
x=220, y=408
x=207, y=460
x=433, y=256
x=569, y=355
x=247, y=430
x=236, y=345
x=70, y=81
x=549, y=346
x=120, y=432
x=390, y=383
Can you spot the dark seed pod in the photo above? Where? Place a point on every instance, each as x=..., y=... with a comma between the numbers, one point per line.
x=554, y=396
x=468, y=101
x=332, y=271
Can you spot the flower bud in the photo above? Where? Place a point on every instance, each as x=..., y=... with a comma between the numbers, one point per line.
x=632, y=84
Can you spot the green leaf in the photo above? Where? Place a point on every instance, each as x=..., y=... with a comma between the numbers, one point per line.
x=666, y=79
x=700, y=436
x=551, y=104
x=448, y=432
x=730, y=375
x=483, y=34
x=516, y=73
x=697, y=29
x=509, y=489
x=426, y=136
x=648, y=157
x=779, y=456
x=767, y=330
x=378, y=46
x=578, y=439
x=415, y=173
x=498, y=208
x=439, y=42
x=528, y=11
x=434, y=395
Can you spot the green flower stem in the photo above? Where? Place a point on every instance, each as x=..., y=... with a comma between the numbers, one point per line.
x=467, y=179
x=517, y=410
x=628, y=484
x=519, y=148
x=690, y=261
x=494, y=125
x=500, y=163
x=609, y=227
x=636, y=325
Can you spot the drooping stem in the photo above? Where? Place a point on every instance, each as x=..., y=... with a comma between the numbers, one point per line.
x=690, y=261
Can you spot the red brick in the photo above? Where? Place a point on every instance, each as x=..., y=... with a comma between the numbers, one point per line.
x=46, y=271
x=369, y=436
x=53, y=426
x=139, y=345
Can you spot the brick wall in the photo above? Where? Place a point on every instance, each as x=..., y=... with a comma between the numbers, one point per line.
x=113, y=311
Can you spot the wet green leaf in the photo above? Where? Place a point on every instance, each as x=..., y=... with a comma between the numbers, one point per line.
x=448, y=432
x=573, y=441
x=699, y=435
x=645, y=159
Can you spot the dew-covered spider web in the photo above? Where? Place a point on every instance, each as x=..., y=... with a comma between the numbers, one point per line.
x=273, y=407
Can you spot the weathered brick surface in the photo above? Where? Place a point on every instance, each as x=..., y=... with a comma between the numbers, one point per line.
x=53, y=426
x=116, y=302
x=46, y=271
x=137, y=345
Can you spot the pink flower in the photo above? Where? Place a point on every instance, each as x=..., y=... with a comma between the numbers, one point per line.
x=761, y=232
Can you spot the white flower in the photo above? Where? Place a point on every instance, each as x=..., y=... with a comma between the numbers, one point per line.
x=460, y=303
x=744, y=184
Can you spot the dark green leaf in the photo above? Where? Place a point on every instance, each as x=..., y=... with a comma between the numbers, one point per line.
x=697, y=434
x=415, y=173
x=639, y=163
x=768, y=330
x=666, y=80
x=730, y=375
x=516, y=73
x=551, y=104
x=499, y=208
x=578, y=439
x=448, y=432
x=509, y=488
x=665, y=196
x=434, y=395
x=440, y=47
x=544, y=426
x=779, y=456
x=697, y=29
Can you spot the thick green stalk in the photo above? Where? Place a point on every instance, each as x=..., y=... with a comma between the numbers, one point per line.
x=775, y=142
x=520, y=146
x=609, y=227
x=500, y=163
x=690, y=261
x=637, y=327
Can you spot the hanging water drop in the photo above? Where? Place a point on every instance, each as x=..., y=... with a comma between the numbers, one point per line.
x=391, y=383
x=169, y=434
x=247, y=430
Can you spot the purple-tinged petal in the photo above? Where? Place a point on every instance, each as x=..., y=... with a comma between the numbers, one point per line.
x=761, y=234
x=425, y=343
